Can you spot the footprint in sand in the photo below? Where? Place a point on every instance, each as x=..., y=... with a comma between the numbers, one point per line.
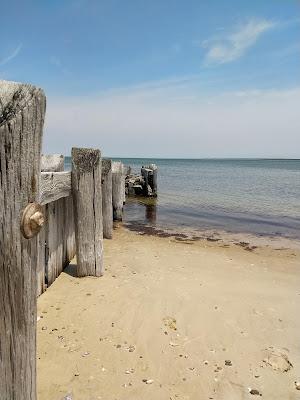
x=170, y=323
x=277, y=359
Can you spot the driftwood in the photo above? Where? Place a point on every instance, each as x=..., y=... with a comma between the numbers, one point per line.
x=54, y=185
x=52, y=162
x=86, y=190
x=118, y=190
x=107, y=209
x=22, y=110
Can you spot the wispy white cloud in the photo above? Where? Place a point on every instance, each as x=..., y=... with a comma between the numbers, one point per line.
x=262, y=123
x=230, y=47
x=11, y=56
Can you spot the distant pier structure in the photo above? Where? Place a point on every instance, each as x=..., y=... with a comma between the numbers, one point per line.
x=144, y=184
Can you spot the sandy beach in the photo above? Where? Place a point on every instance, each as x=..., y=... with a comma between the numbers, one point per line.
x=173, y=319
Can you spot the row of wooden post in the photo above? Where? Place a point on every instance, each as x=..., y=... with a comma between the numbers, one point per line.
x=98, y=190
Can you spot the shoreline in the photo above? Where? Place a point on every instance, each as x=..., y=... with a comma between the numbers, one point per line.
x=172, y=320
x=248, y=241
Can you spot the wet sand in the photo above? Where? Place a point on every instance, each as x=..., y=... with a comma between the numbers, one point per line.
x=173, y=319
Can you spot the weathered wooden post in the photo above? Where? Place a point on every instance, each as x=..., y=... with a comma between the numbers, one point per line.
x=87, y=197
x=22, y=111
x=118, y=189
x=124, y=172
x=107, y=208
x=153, y=167
x=150, y=177
x=146, y=175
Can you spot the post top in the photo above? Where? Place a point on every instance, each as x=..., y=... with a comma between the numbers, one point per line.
x=14, y=97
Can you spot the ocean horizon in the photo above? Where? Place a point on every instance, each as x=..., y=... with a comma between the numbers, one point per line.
x=258, y=196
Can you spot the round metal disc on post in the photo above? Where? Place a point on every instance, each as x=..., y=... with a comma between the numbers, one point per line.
x=32, y=220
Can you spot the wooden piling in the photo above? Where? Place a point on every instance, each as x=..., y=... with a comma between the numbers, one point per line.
x=149, y=174
x=22, y=111
x=107, y=208
x=118, y=189
x=87, y=197
x=154, y=178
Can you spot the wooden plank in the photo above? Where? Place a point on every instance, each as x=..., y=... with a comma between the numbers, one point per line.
x=118, y=190
x=107, y=208
x=41, y=264
x=54, y=185
x=87, y=197
x=52, y=163
x=22, y=111
x=51, y=243
x=60, y=224
x=124, y=173
x=70, y=232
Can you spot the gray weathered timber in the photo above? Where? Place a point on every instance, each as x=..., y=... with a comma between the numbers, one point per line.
x=107, y=208
x=41, y=264
x=153, y=167
x=54, y=185
x=87, y=197
x=56, y=246
x=146, y=173
x=56, y=241
x=22, y=111
x=70, y=247
x=118, y=189
x=52, y=163
x=124, y=172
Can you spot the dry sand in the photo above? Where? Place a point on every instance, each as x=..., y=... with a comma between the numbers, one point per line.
x=173, y=320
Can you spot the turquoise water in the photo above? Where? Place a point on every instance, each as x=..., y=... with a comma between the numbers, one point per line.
x=255, y=196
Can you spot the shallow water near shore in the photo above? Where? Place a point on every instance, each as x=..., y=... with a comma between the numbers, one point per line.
x=256, y=196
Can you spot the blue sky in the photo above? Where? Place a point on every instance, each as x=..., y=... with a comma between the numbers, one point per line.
x=161, y=77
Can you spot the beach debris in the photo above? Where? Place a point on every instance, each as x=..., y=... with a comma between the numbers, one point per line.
x=127, y=384
x=129, y=371
x=148, y=381
x=228, y=363
x=174, y=344
x=205, y=362
x=85, y=354
x=277, y=360
x=170, y=323
x=76, y=374
x=68, y=397
x=131, y=348
x=297, y=385
x=254, y=392
x=44, y=328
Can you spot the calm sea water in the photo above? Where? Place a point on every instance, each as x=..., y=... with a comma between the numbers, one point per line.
x=255, y=196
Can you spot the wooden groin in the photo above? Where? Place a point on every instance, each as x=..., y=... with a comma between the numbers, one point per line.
x=47, y=215
x=56, y=241
x=144, y=184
